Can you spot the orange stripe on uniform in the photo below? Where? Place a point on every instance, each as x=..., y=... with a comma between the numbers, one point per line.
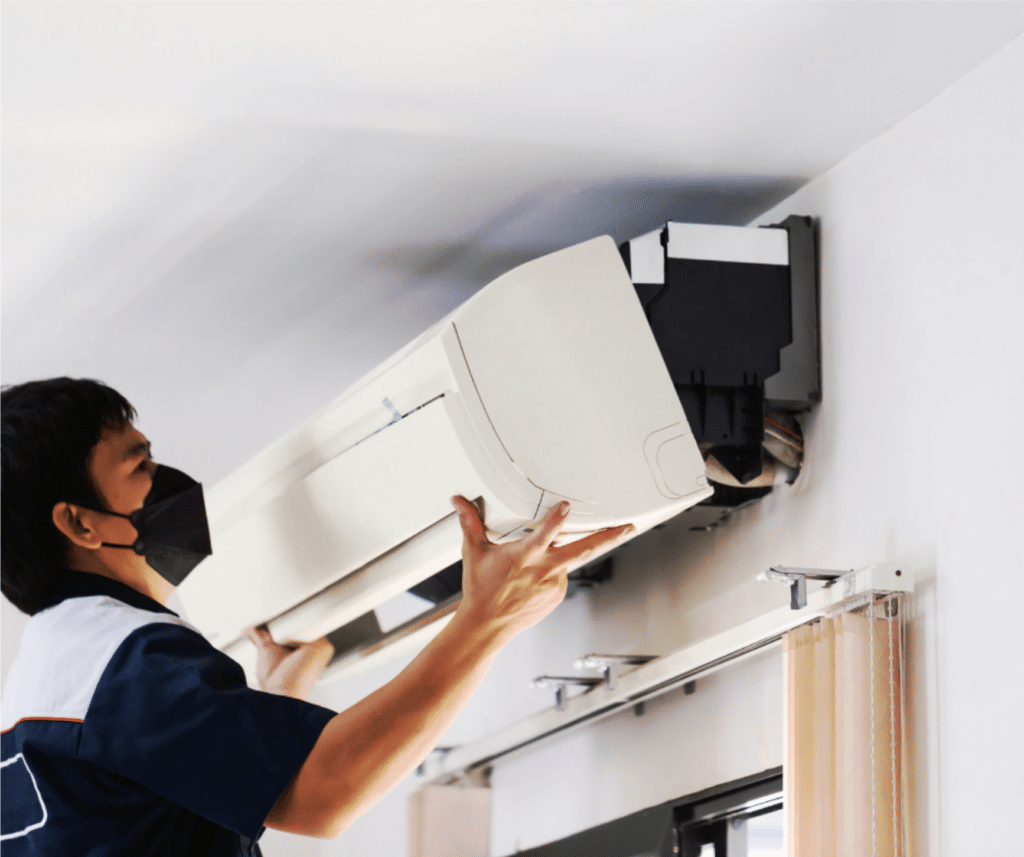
x=52, y=719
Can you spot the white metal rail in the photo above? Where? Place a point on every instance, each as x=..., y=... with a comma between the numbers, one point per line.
x=662, y=674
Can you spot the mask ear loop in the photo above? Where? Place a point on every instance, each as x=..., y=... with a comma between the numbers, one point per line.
x=112, y=544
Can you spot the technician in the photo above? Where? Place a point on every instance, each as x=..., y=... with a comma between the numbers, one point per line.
x=125, y=732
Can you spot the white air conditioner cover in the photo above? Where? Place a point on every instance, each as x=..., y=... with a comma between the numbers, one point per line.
x=546, y=385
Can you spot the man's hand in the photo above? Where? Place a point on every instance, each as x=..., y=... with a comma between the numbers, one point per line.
x=513, y=586
x=290, y=670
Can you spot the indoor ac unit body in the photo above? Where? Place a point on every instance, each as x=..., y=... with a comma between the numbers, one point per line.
x=546, y=385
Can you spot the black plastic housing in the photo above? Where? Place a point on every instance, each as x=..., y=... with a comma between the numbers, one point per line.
x=739, y=339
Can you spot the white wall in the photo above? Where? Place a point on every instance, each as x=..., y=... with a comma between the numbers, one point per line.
x=912, y=458
x=923, y=280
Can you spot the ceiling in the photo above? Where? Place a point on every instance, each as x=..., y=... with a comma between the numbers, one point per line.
x=231, y=211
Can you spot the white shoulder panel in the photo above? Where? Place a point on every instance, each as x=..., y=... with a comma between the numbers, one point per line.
x=63, y=653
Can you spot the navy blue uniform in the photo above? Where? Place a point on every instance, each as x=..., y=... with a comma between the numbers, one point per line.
x=125, y=732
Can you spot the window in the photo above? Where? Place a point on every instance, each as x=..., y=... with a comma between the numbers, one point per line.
x=741, y=819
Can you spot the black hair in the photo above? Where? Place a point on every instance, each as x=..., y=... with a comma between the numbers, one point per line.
x=49, y=430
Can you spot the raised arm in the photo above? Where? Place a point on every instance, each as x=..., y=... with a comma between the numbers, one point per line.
x=369, y=748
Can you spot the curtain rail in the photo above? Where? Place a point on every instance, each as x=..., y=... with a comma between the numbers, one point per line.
x=665, y=673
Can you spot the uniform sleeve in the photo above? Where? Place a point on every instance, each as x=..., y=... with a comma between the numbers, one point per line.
x=175, y=715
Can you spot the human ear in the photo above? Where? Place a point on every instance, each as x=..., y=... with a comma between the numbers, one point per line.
x=68, y=520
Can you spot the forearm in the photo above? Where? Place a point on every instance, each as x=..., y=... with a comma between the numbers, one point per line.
x=300, y=670
x=369, y=748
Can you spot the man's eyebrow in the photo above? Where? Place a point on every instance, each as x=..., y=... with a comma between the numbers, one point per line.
x=137, y=449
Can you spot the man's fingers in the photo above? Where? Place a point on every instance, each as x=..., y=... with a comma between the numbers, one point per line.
x=579, y=551
x=325, y=645
x=469, y=519
x=260, y=637
x=548, y=528
x=257, y=634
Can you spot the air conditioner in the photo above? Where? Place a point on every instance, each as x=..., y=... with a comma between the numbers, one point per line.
x=548, y=384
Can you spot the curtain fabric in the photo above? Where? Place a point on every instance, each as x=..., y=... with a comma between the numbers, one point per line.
x=845, y=740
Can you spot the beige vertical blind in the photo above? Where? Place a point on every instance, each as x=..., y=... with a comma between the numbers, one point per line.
x=846, y=768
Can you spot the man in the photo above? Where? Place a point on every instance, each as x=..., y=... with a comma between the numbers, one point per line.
x=127, y=733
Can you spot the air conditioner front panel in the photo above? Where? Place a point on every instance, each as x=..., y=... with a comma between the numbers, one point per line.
x=375, y=496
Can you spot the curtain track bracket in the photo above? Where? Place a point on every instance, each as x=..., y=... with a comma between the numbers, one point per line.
x=797, y=578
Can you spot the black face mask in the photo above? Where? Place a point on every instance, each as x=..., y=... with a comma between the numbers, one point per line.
x=174, y=535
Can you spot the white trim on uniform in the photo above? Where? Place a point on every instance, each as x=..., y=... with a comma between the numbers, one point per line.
x=64, y=651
